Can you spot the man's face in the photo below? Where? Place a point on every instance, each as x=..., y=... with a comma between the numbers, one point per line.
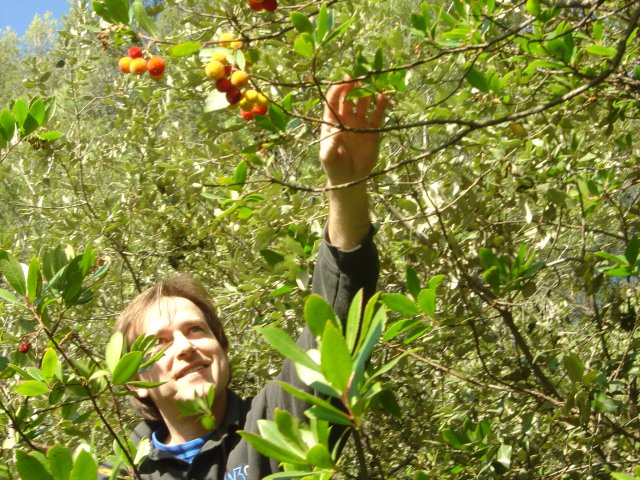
x=193, y=361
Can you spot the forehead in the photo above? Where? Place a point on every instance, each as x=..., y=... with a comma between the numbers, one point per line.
x=169, y=313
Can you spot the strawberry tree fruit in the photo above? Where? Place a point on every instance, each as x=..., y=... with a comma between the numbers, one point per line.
x=124, y=64
x=135, y=52
x=24, y=347
x=138, y=66
x=156, y=66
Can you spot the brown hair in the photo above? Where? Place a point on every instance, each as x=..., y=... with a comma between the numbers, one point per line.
x=130, y=320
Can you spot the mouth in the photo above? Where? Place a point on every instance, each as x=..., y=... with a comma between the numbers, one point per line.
x=189, y=370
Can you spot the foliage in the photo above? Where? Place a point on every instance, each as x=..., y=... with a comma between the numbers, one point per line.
x=506, y=198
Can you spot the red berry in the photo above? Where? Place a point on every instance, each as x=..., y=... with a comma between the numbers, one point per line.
x=223, y=84
x=270, y=5
x=24, y=347
x=135, y=52
x=259, y=110
x=228, y=69
x=233, y=95
x=255, y=5
x=248, y=116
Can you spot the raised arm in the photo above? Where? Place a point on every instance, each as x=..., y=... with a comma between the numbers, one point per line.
x=347, y=156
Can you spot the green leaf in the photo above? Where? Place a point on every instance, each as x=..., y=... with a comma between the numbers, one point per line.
x=278, y=117
x=574, y=366
x=336, y=363
x=477, y=79
x=316, y=313
x=184, y=49
x=283, y=343
x=37, y=111
x=29, y=125
x=30, y=468
x=373, y=334
x=84, y=468
x=32, y=388
x=602, y=51
x=8, y=123
x=301, y=22
x=34, y=280
x=427, y=301
x=400, y=303
x=319, y=456
x=60, y=462
x=113, y=350
x=322, y=23
x=289, y=429
x=8, y=296
x=314, y=400
x=240, y=173
x=49, y=363
x=452, y=438
x=353, y=320
x=413, y=283
x=50, y=136
x=632, y=250
x=303, y=45
x=126, y=367
x=622, y=476
x=142, y=19
x=12, y=271
x=605, y=404
x=20, y=111
x=270, y=449
x=113, y=11
x=533, y=7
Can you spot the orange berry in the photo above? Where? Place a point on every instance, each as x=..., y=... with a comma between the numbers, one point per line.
x=239, y=78
x=124, y=64
x=248, y=116
x=214, y=70
x=138, y=66
x=135, y=52
x=156, y=65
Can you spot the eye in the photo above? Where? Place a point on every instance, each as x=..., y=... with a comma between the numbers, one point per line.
x=195, y=330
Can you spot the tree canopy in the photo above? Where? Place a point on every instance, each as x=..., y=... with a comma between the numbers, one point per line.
x=505, y=198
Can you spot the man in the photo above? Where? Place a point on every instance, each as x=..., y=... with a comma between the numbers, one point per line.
x=180, y=315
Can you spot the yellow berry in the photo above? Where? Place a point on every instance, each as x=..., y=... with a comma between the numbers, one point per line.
x=262, y=101
x=251, y=96
x=225, y=39
x=214, y=70
x=220, y=56
x=124, y=64
x=138, y=66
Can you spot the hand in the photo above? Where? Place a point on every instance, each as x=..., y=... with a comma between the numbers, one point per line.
x=345, y=155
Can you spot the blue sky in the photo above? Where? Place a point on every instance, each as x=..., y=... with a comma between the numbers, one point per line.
x=18, y=14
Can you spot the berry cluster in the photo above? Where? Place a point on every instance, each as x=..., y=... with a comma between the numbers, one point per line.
x=24, y=347
x=136, y=63
x=231, y=80
x=268, y=5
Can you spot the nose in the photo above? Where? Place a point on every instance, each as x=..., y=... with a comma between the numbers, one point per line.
x=182, y=345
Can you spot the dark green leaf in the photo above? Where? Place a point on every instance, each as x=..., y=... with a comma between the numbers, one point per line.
x=37, y=111
x=113, y=11
x=633, y=247
x=8, y=123
x=34, y=280
x=477, y=80
x=413, y=283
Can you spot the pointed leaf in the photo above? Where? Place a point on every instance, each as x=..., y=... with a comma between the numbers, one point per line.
x=323, y=23
x=142, y=19
x=574, y=366
x=37, y=111
x=30, y=468
x=400, y=303
x=353, y=320
x=427, y=301
x=184, y=49
x=8, y=123
x=413, y=283
x=20, y=111
x=336, y=360
x=303, y=45
x=8, y=296
x=283, y=343
x=126, y=368
x=32, y=388
x=633, y=247
x=301, y=22
x=49, y=363
x=34, y=280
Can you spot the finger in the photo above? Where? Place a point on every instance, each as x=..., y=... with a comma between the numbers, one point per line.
x=363, y=107
x=345, y=108
x=331, y=106
x=377, y=118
